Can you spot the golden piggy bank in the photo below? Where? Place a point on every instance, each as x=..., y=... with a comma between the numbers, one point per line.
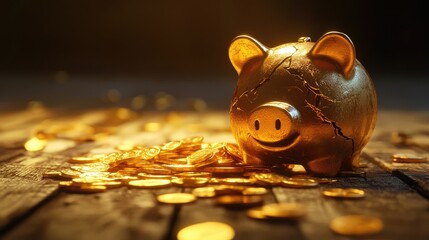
x=307, y=103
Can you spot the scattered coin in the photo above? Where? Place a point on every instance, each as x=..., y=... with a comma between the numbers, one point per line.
x=256, y=213
x=204, y=192
x=52, y=174
x=408, y=158
x=290, y=211
x=356, y=225
x=190, y=181
x=176, y=198
x=299, y=183
x=239, y=201
x=344, y=193
x=254, y=191
x=207, y=231
x=271, y=179
x=69, y=186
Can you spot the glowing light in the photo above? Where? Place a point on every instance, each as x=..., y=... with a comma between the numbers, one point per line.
x=35, y=144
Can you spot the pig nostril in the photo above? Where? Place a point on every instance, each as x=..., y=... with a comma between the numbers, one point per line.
x=278, y=124
x=257, y=124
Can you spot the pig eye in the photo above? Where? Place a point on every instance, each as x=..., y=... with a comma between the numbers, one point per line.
x=278, y=124
x=257, y=124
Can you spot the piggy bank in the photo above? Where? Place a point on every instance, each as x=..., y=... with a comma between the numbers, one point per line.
x=307, y=103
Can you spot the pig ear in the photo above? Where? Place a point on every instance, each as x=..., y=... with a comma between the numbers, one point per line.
x=335, y=48
x=244, y=48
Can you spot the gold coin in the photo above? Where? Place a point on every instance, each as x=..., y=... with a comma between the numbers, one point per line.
x=150, y=152
x=283, y=210
x=181, y=167
x=190, y=181
x=256, y=213
x=232, y=169
x=35, y=144
x=207, y=231
x=153, y=176
x=356, y=225
x=195, y=139
x=299, y=183
x=69, y=186
x=52, y=174
x=239, y=201
x=204, y=192
x=408, y=158
x=83, y=159
x=229, y=190
x=176, y=198
x=234, y=150
x=254, y=191
x=155, y=169
x=235, y=181
x=201, y=155
x=268, y=178
x=70, y=173
x=91, y=167
x=150, y=183
x=344, y=193
x=171, y=146
x=325, y=180
x=108, y=184
x=193, y=174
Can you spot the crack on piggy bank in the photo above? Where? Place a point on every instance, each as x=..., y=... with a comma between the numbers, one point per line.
x=315, y=90
x=264, y=80
x=324, y=119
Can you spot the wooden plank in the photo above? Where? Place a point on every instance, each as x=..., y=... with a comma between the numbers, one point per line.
x=245, y=228
x=403, y=211
x=120, y=213
x=22, y=187
x=381, y=147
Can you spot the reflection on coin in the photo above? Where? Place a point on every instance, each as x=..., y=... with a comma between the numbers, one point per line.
x=176, y=198
x=207, y=231
x=344, y=193
x=150, y=183
x=283, y=210
x=356, y=225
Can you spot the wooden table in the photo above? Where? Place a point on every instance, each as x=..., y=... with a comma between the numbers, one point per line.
x=33, y=207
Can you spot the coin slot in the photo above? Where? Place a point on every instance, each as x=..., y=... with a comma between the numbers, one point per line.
x=257, y=124
x=278, y=124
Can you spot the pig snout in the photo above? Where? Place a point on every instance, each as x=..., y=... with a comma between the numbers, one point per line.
x=273, y=122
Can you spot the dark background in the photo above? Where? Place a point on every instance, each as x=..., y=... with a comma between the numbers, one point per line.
x=124, y=44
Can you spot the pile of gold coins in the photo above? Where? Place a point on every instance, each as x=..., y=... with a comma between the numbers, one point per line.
x=212, y=170
x=188, y=162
